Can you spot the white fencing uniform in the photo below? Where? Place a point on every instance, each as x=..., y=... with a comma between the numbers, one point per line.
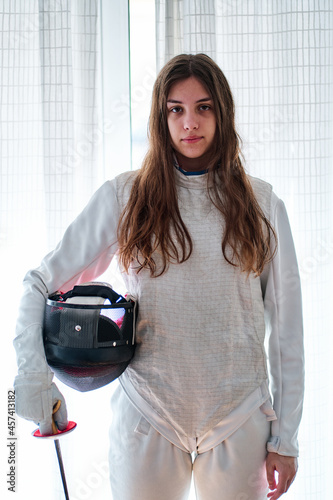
x=200, y=365
x=146, y=466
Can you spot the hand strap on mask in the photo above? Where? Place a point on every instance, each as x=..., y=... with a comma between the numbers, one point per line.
x=91, y=290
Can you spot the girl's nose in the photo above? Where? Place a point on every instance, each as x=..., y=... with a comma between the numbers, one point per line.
x=191, y=122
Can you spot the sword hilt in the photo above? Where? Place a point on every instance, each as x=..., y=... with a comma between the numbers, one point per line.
x=71, y=426
x=56, y=407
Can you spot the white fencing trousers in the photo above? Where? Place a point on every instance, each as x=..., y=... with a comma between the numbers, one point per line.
x=146, y=466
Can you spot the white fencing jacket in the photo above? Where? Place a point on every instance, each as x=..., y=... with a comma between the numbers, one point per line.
x=204, y=329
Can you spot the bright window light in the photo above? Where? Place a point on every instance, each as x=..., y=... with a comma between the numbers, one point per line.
x=143, y=73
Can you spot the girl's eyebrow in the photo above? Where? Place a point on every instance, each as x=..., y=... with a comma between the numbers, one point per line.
x=204, y=99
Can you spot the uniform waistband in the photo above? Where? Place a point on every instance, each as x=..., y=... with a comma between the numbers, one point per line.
x=260, y=398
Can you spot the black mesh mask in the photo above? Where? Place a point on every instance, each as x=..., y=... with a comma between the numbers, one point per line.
x=89, y=335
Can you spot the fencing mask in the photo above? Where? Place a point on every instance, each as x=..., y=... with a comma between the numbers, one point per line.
x=89, y=335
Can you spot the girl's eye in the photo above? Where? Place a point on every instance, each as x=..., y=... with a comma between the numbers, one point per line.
x=175, y=109
x=205, y=107
x=179, y=109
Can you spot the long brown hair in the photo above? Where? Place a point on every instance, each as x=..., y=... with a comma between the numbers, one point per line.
x=151, y=222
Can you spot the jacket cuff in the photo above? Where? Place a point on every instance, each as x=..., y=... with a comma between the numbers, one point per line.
x=276, y=445
x=33, y=396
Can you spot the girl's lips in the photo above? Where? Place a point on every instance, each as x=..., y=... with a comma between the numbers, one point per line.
x=192, y=140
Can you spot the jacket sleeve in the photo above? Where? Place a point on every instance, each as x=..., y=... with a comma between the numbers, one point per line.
x=284, y=334
x=83, y=254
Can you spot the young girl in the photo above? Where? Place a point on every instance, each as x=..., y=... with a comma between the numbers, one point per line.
x=207, y=251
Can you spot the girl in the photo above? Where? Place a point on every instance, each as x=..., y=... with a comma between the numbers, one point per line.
x=207, y=251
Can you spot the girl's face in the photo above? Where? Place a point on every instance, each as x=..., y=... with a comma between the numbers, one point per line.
x=191, y=123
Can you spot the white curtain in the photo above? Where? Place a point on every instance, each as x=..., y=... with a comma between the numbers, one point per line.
x=277, y=57
x=58, y=120
x=49, y=112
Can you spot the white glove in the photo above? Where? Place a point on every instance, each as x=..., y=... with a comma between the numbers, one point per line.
x=35, y=396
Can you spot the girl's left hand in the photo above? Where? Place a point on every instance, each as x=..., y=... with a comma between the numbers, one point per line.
x=286, y=467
